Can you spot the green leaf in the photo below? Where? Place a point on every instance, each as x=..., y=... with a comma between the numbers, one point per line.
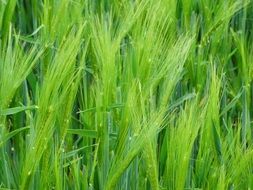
x=84, y=132
x=11, y=111
x=231, y=104
x=8, y=13
x=12, y=134
x=217, y=143
x=181, y=100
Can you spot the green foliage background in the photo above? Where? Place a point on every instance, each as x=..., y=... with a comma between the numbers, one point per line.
x=126, y=94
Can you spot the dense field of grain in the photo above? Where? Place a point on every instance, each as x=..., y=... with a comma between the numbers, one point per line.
x=126, y=94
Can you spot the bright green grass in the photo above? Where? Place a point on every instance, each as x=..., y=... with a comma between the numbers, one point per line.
x=126, y=94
